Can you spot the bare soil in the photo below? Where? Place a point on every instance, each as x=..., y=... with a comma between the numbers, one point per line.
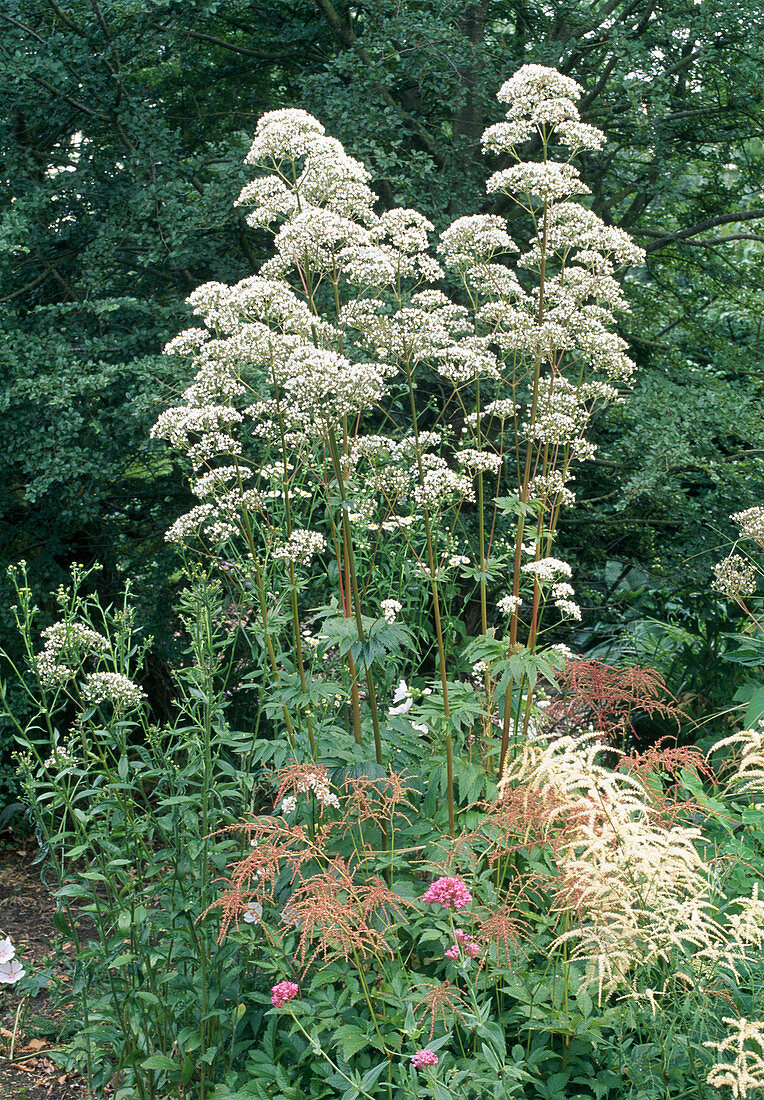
x=30, y=1028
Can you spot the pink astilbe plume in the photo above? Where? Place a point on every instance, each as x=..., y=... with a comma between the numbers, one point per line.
x=517, y=819
x=505, y=928
x=304, y=779
x=275, y=846
x=376, y=800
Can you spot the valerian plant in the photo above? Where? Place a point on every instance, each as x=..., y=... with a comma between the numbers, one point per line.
x=428, y=890
x=348, y=411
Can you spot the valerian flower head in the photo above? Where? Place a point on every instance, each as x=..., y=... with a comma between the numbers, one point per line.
x=283, y=992
x=735, y=577
x=390, y=609
x=112, y=687
x=751, y=524
x=301, y=547
x=450, y=892
x=474, y=238
x=424, y=1058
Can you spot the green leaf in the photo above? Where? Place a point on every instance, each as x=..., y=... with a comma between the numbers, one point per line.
x=162, y=1062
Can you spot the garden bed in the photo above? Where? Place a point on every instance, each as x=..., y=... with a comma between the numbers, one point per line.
x=26, y=915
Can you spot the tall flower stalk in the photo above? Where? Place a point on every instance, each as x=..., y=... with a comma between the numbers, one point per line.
x=302, y=367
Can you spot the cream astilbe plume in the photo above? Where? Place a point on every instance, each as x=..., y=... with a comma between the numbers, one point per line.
x=638, y=889
x=746, y=1070
x=749, y=774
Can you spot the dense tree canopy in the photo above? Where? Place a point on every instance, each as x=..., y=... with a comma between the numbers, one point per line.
x=124, y=127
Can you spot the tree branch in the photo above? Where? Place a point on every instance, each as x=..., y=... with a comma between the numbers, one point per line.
x=245, y=51
x=346, y=36
x=663, y=239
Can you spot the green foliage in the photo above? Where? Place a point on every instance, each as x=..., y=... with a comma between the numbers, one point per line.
x=150, y=836
x=123, y=130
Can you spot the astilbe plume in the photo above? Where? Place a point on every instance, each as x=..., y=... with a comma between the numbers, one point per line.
x=637, y=890
x=743, y=1050
x=658, y=768
x=506, y=928
x=748, y=774
x=339, y=917
x=608, y=696
x=304, y=778
x=376, y=801
x=443, y=1001
x=517, y=819
x=275, y=846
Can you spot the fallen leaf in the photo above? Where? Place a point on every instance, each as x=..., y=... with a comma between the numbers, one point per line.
x=35, y=1044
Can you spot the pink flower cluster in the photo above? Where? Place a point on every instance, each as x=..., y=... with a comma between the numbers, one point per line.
x=464, y=942
x=451, y=893
x=283, y=992
x=424, y=1058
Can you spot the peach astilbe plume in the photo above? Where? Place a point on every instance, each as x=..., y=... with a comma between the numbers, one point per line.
x=636, y=889
x=376, y=800
x=505, y=928
x=303, y=779
x=609, y=696
x=745, y=1047
x=339, y=916
x=748, y=777
x=443, y=1001
x=275, y=846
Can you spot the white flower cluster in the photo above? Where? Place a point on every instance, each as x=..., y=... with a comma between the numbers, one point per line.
x=553, y=484
x=508, y=605
x=439, y=483
x=66, y=646
x=476, y=461
x=403, y=700
x=550, y=182
x=569, y=609
x=301, y=547
x=542, y=101
x=11, y=970
x=735, y=577
x=112, y=687
x=743, y=1049
x=64, y=756
x=202, y=516
x=547, y=569
x=572, y=226
x=474, y=239
x=751, y=524
x=560, y=417
x=391, y=609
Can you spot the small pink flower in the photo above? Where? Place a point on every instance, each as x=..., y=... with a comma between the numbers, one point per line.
x=283, y=992
x=424, y=1058
x=473, y=950
x=460, y=935
x=451, y=893
x=453, y=952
